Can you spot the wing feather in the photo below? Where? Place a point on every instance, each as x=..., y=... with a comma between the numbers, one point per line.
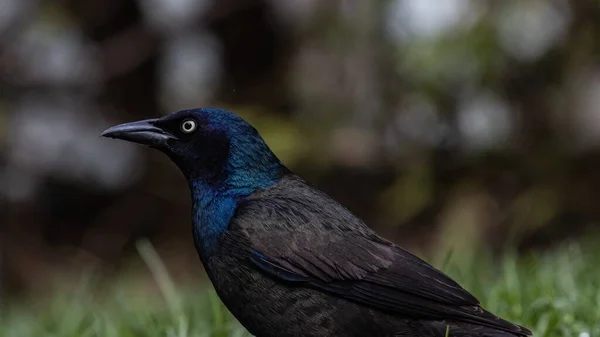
x=301, y=236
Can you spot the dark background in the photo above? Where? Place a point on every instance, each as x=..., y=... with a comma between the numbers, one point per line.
x=455, y=124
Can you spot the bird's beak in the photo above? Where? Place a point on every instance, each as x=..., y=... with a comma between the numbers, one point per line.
x=143, y=132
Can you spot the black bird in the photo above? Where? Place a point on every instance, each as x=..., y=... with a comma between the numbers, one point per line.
x=285, y=258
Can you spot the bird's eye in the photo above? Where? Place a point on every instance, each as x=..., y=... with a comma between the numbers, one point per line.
x=189, y=126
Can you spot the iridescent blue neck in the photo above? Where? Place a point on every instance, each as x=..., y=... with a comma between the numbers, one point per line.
x=211, y=212
x=214, y=205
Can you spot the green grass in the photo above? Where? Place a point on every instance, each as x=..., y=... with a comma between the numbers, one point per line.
x=555, y=294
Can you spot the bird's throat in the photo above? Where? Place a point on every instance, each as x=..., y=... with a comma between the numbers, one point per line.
x=211, y=212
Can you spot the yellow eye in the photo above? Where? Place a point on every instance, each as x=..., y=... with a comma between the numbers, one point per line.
x=189, y=126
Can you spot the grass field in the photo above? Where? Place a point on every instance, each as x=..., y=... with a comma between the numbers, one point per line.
x=555, y=294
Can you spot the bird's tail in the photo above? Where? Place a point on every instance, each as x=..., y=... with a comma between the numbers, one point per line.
x=468, y=330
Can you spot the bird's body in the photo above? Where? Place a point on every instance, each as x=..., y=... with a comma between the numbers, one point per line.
x=286, y=259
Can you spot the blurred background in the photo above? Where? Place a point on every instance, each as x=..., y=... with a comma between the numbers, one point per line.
x=446, y=125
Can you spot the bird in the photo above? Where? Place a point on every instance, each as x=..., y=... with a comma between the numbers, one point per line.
x=285, y=258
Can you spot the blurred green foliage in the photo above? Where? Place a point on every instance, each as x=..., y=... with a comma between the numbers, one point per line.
x=554, y=294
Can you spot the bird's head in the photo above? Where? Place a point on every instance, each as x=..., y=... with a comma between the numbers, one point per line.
x=212, y=146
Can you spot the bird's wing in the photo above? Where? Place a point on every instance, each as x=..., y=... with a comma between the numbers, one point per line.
x=327, y=259
x=311, y=241
x=372, y=272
